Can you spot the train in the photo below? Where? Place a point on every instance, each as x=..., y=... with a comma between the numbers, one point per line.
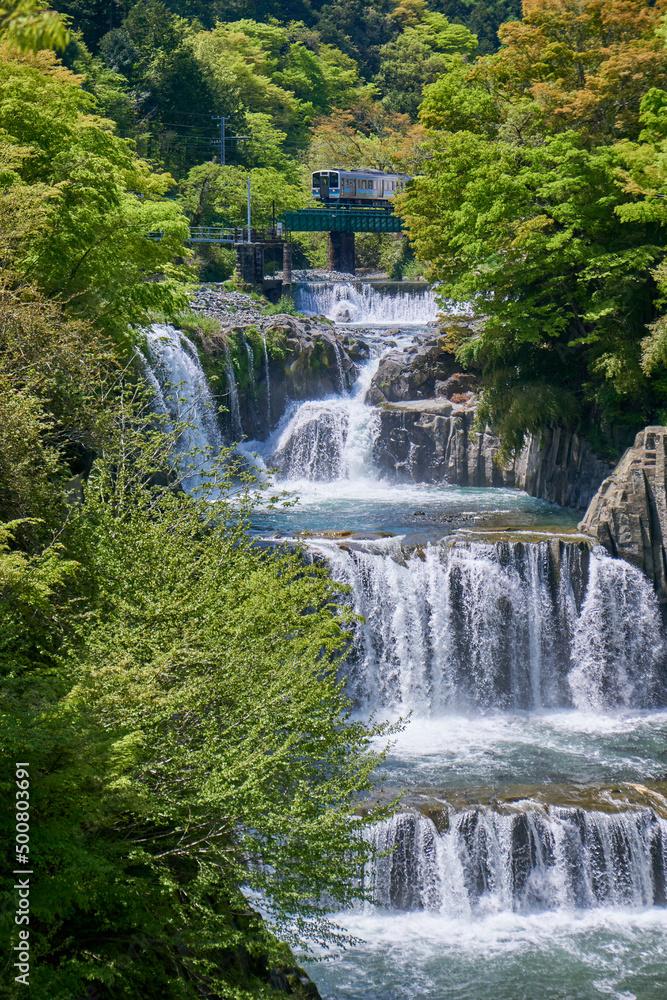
x=355, y=188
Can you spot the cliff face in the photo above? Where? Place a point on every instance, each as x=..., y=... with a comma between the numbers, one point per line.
x=628, y=514
x=433, y=441
x=427, y=417
x=274, y=359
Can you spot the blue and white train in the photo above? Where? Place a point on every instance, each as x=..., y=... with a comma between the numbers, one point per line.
x=357, y=187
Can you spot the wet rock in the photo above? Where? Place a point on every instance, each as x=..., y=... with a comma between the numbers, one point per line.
x=628, y=514
x=461, y=383
x=411, y=374
x=435, y=441
x=308, y=358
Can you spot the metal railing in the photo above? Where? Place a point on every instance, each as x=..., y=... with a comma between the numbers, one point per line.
x=226, y=234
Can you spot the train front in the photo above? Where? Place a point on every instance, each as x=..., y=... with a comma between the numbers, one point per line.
x=326, y=185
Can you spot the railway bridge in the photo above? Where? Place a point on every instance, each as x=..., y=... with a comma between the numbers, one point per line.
x=341, y=223
x=250, y=245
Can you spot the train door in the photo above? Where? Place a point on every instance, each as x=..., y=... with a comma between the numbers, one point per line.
x=324, y=186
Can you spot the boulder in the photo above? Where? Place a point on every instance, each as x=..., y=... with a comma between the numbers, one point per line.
x=628, y=514
x=458, y=384
x=308, y=359
x=411, y=374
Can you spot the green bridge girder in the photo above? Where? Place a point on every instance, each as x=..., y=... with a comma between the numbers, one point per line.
x=342, y=220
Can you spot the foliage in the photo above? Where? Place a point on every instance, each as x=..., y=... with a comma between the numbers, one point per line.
x=26, y=26
x=359, y=29
x=285, y=307
x=99, y=201
x=162, y=780
x=174, y=687
x=586, y=65
x=418, y=57
x=531, y=207
x=215, y=194
x=482, y=17
x=367, y=135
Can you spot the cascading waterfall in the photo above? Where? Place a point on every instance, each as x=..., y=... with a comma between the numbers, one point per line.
x=251, y=369
x=268, y=382
x=483, y=862
x=233, y=392
x=330, y=439
x=182, y=392
x=526, y=656
x=619, y=640
x=342, y=386
x=504, y=625
x=347, y=302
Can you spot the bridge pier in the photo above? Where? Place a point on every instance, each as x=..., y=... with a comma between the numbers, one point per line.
x=340, y=252
x=287, y=271
x=249, y=263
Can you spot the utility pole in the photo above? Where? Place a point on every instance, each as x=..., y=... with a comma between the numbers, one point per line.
x=223, y=137
x=249, y=230
x=222, y=120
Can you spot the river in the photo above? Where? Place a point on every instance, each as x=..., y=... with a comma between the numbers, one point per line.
x=530, y=858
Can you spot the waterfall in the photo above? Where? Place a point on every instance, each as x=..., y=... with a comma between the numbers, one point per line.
x=507, y=625
x=234, y=410
x=480, y=861
x=251, y=369
x=342, y=385
x=618, y=642
x=268, y=383
x=330, y=439
x=348, y=302
x=182, y=391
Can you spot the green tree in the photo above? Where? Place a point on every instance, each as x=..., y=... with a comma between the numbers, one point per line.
x=525, y=213
x=26, y=26
x=215, y=194
x=93, y=249
x=418, y=57
x=359, y=30
x=174, y=688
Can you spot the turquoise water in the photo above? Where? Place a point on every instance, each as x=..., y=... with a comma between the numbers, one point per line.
x=374, y=506
x=563, y=955
x=495, y=747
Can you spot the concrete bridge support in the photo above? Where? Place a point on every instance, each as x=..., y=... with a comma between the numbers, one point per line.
x=287, y=271
x=340, y=252
x=249, y=262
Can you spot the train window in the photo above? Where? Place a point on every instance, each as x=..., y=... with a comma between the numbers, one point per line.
x=316, y=180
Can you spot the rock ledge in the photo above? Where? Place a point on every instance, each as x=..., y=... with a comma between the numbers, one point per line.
x=628, y=514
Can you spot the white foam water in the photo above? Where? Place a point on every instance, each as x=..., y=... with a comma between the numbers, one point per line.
x=182, y=391
x=527, y=747
x=606, y=953
x=485, y=861
x=330, y=439
x=347, y=302
x=502, y=625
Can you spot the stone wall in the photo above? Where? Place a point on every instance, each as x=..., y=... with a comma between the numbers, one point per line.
x=628, y=514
